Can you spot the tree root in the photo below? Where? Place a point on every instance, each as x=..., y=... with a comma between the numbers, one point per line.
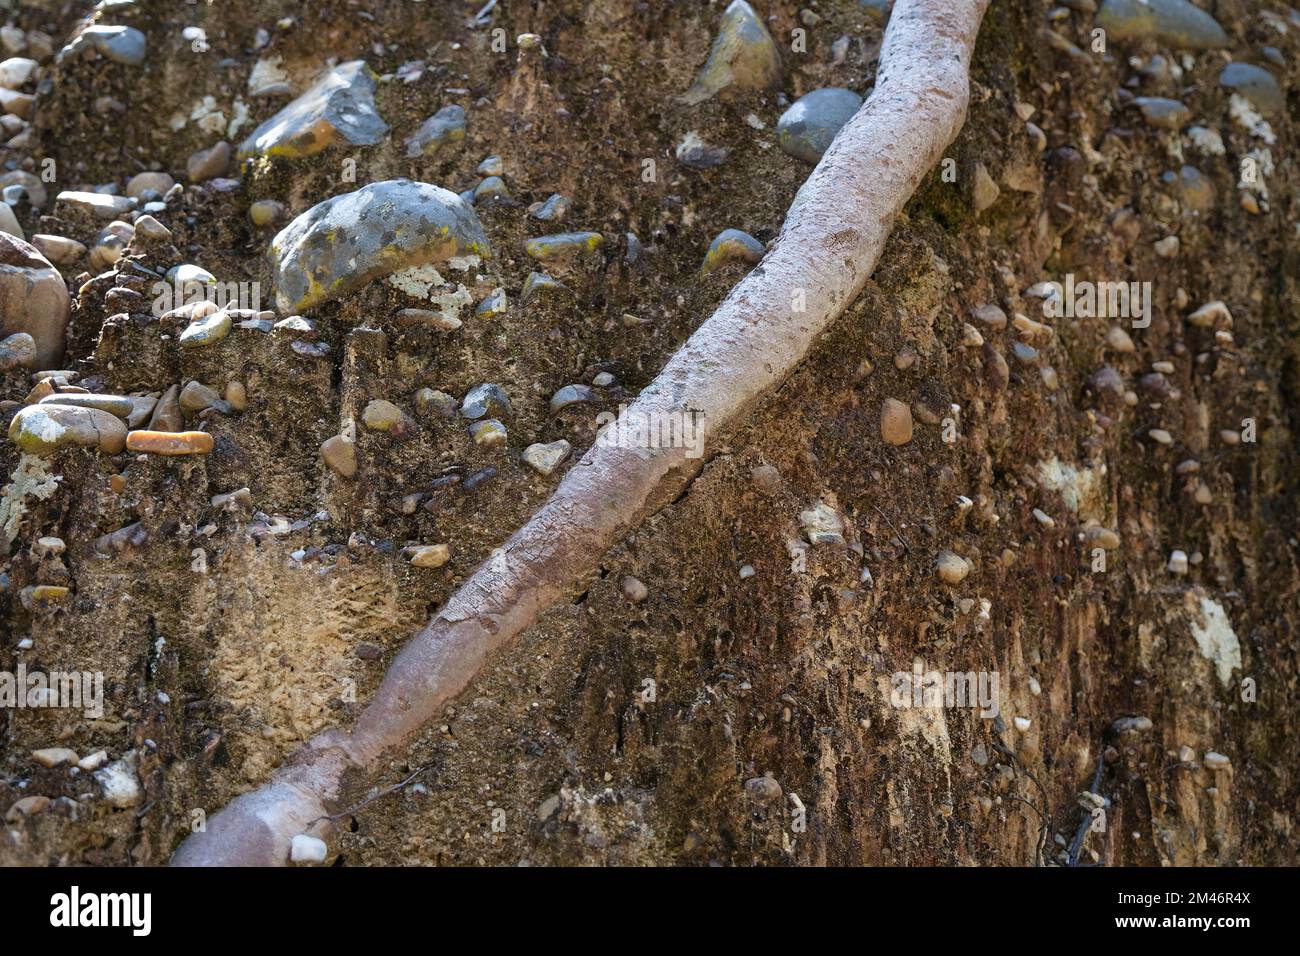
x=833, y=235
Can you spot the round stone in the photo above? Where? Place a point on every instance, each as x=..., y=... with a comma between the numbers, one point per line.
x=806, y=129
x=206, y=331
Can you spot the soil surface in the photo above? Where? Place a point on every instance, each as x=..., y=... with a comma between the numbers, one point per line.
x=740, y=713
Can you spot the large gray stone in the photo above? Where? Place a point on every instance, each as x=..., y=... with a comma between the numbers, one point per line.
x=33, y=299
x=340, y=106
x=343, y=243
x=806, y=129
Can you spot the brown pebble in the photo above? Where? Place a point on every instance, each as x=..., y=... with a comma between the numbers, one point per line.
x=169, y=443
x=895, y=422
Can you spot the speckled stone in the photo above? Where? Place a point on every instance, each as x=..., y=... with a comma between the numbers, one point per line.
x=895, y=422
x=43, y=429
x=442, y=132
x=343, y=243
x=120, y=44
x=1255, y=84
x=743, y=58
x=732, y=245
x=1174, y=22
x=340, y=107
x=806, y=129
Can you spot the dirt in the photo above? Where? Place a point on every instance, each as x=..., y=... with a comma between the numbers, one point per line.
x=624, y=733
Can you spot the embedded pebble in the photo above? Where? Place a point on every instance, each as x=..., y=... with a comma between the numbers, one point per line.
x=571, y=395
x=732, y=245
x=95, y=205
x=117, y=405
x=554, y=209
x=340, y=107
x=1178, y=562
x=442, y=131
x=197, y=397
x=564, y=245
x=43, y=429
x=545, y=458
x=58, y=249
x=634, y=589
x=428, y=555
x=488, y=433
x=169, y=443
x=304, y=848
x=1177, y=23
x=266, y=212
x=120, y=44
x=1214, y=760
x=151, y=230
x=109, y=245
x=895, y=422
x=206, y=331
x=382, y=416
x=53, y=756
x=142, y=184
x=206, y=164
x=493, y=187
x=1163, y=113
x=1256, y=84
x=486, y=399
x=952, y=567
x=743, y=58
x=119, y=783
x=340, y=453
x=33, y=299
x=806, y=129
x=17, y=351
x=822, y=524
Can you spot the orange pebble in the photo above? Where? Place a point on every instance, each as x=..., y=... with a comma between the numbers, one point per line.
x=169, y=443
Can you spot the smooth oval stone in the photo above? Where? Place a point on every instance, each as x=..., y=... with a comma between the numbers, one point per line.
x=571, y=395
x=144, y=182
x=442, y=131
x=33, y=299
x=1163, y=113
x=206, y=331
x=743, y=57
x=428, y=555
x=119, y=44
x=340, y=106
x=265, y=212
x=732, y=245
x=382, y=416
x=118, y=405
x=1175, y=22
x=563, y=244
x=1255, y=84
x=806, y=129
x=169, y=443
x=492, y=166
x=43, y=429
x=343, y=243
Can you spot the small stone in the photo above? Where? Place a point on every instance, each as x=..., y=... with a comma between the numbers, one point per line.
x=43, y=429
x=110, y=244
x=1163, y=113
x=265, y=213
x=634, y=589
x=545, y=458
x=571, y=395
x=338, y=108
x=169, y=443
x=1210, y=315
x=237, y=396
x=743, y=58
x=1178, y=562
x=1024, y=353
x=125, y=45
x=17, y=351
x=564, y=245
x=1215, y=761
x=95, y=205
x=58, y=249
x=16, y=71
x=197, y=397
x=732, y=245
x=26, y=807
x=970, y=336
x=494, y=303
x=489, y=433
x=118, y=405
x=554, y=209
x=985, y=191
x=1117, y=340
x=486, y=399
x=428, y=555
x=440, y=133
x=382, y=416
x=149, y=182
x=1160, y=436
x=53, y=756
x=895, y=422
x=493, y=187
x=1167, y=247
x=990, y=315
x=1256, y=85
x=307, y=849
x=952, y=567
x=767, y=478
x=1103, y=538
x=340, y=453
x=540, y=283
x=167, y=412
x=151, y=230
x=208, y=163
x=119, y=784
x=806, y=129
x=764, y=791
x=1194, y=189
x=206, y=331
x=492, y=166
x=428, y=400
